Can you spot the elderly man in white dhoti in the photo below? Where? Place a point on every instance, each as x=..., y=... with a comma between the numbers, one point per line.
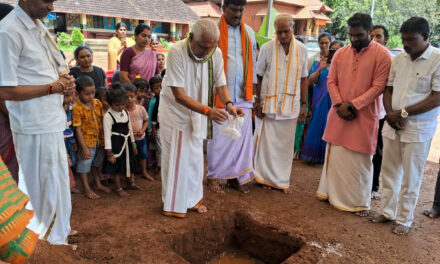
x=33, y=78
x=195, y=71
x=281, y=98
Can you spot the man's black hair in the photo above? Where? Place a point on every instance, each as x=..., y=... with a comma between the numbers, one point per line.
x=361, y=20
x=5, y=9
x=416, y=25
x=385, y=30
x=234, y=2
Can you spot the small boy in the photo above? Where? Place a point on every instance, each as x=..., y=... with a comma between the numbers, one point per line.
x=87, y=122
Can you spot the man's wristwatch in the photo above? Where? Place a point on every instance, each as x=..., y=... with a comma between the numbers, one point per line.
x=226, y=104
x=403, y=113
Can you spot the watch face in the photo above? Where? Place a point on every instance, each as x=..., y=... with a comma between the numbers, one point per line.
x=404, y=113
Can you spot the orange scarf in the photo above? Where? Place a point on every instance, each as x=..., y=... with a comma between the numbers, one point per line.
x=246, y=46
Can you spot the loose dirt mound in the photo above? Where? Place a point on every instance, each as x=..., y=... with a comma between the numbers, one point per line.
x=132, y=230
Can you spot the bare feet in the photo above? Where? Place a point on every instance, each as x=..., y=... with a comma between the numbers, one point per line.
x=74, y=190
x=375, y=195
x=214, y=186
x=147, y=176
x=432, y=213
x=380, y=219
x=134, y=187
x=233, y=183
x=364, y=213
x=243, y=188
x=73, y=247
x=401, y=230
x=288, y=190
x=104, y=188
x=120, y=192
x=73, y=233
x=91, y=195
x=202, y=209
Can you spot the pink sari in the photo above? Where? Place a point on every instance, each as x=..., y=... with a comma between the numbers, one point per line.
x=143, y=64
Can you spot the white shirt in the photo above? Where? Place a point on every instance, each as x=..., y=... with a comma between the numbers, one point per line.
x=383, y=113
x=26, y=60
x=107, y=123
x=413, y=82
x=185, y=73
x=264, y=66
x=235, y=69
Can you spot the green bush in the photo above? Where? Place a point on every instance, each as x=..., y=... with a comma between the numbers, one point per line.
x=77, y=37
x=394, y=42
x=165, y=44
x=64, y=39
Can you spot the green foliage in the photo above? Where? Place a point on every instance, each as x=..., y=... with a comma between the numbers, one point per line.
x=390, y=13
x=64, y=39
x=77, y=37
x=395, y=41
x=261, y=35
x=165, y=44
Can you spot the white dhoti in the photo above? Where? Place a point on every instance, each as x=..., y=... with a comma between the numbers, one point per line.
x=402, y=174
x=346, y=179
x=44, y=177
x=274, y=146
x=182, y=170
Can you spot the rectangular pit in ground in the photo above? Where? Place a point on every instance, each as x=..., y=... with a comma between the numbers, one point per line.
x=236, y=232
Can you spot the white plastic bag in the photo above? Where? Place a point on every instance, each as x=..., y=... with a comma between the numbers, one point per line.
x=233, y=130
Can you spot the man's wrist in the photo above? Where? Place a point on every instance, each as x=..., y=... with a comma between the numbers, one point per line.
x=228, y=103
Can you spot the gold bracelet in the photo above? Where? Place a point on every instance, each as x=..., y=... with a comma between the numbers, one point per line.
x=62, y=85
x=49, y=91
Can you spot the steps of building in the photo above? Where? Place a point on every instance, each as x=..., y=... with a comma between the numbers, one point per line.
x=97, y=45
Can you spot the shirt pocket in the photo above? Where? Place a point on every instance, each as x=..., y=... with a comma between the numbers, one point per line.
x=423, y=84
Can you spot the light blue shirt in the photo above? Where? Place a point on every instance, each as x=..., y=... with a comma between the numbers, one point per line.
x=235, y=76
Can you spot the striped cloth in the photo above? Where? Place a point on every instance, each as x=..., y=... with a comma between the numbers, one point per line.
x=16, y=241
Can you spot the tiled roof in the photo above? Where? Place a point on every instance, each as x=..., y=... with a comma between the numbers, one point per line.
x=156, y=10
x=313, y=4
x=205, y=9
x=307, y=13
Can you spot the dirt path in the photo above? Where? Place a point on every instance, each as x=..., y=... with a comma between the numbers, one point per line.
x=132, y=230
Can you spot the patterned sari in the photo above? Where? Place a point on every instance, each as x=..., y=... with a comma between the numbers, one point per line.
x=143, y=64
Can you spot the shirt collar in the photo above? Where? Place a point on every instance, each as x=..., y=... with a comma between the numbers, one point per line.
x=425, y=55
x=25, y=19
x=85, y=106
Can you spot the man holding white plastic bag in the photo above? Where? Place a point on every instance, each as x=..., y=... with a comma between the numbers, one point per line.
x=281, y=98
x=195, y=71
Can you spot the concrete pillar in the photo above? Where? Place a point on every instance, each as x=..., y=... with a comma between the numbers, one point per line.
x=173, y=32
x=179, y=31
x=148, y=22
x=309, y=28
x=83, y=21
x=316, y=29
x=118, y=20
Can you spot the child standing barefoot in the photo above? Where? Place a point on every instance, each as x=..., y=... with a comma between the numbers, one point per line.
x=153, y=124
x=87, y=121
x=139, y=123
x=120, y=146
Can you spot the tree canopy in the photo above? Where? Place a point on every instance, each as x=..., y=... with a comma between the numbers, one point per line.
x=389, y=13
